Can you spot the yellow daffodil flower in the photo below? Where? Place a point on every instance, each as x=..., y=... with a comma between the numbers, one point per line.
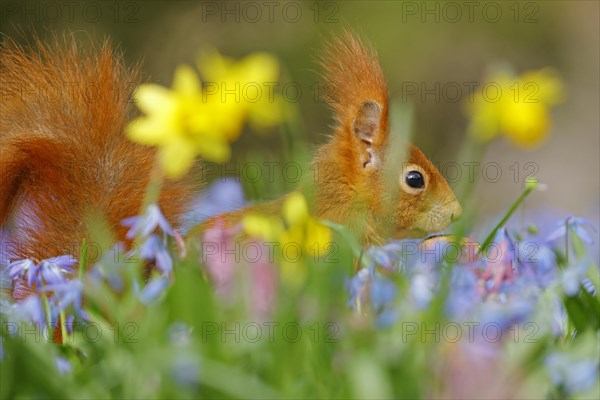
x=249, y=84
x=298, y=234
x=189, y=119
x=266, y=228
x=518, y=108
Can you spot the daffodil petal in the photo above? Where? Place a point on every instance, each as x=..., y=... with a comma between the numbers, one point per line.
x=177, y=156
x=151, y=98
x=146, y=131
x=214, y=66
x=319, y=235
x=216, y=150
x=259, y=68
x=186, y=81
x=261, y=227
x=266, y=113
x=525, y=124
x=295, y=209
x=543, y=85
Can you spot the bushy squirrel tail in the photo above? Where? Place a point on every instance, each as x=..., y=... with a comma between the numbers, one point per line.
x=63, y=153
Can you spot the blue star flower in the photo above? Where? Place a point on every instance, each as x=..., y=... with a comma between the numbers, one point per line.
x=185, y=371
x=23, y=269
x=49, y=271
x=66, y=294
x=388, y=255
x=223, y=195
x=55, y=270
x=63, y=365
x=571, y=374
x=28, y=310
x=153, y=289
x=143, y=225
x=580, y=226
x=154, y=249
x=357, y=287
x=573, y=277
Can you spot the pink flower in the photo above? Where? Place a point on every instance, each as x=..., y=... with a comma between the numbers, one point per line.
x=264, y=287
x=240, y=270
x=219, y=255
x=498, y=266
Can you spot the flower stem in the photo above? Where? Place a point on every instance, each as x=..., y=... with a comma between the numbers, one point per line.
x=63, y=327
x=154, y=185
x=82, y=259
x=567, y=241
x=48, y=317
x=503, y=221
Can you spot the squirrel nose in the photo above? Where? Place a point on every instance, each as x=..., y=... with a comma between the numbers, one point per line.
x=456, y=212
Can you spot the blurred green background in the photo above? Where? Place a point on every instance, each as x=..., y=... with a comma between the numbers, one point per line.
x=421, y=44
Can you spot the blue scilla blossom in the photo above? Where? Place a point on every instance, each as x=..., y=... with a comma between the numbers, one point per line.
x=358, y=287
x=422, y=289
x=573, y=276
x=185, y=371
x=152, y=290
x=387, y=317
x=538, y=263
x=551, y=311
x=179, y=334
x=502, y=248
x=56, y=270
x=370, y=287
x=588, y=285
x=154, y=249
x=47, y=272
x=579, y=226
x=573, y=375
x=383, y=292
x=69, y=323
x=63, y=365
x=29, y=310
x=389, y=255
x=65, y=294
x=112, y=266
x=223, y=195
x=463, y=296
x=111, y=274
x=26, y=269
x=504, y=316
x=143, y=225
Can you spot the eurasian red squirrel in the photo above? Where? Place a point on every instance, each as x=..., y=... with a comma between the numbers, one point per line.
x=64, y=155
x=378, y=189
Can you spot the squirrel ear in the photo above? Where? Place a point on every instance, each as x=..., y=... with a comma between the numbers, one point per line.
x=365, y=127
x=367, y=122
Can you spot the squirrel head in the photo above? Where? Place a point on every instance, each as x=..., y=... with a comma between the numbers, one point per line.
x=367, y=178
x=425, y=203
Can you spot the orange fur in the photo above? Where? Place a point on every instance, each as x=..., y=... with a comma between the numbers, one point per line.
x=351, y=75
x=64, y=156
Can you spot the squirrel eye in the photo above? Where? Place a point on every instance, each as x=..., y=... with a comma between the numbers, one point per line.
x=414, y=179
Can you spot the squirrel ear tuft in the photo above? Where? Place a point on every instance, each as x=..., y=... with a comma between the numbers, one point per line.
x=368, y=121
